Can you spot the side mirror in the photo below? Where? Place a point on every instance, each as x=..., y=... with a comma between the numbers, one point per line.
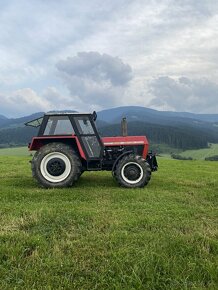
x=94, y=115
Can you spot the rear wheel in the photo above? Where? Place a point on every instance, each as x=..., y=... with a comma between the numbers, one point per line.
x=56, y=165
x=133, y=171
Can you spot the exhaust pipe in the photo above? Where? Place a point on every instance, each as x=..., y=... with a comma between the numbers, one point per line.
x=124, y=131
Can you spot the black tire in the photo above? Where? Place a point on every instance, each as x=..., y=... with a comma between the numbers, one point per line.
x=132, y=171
x=56, y=165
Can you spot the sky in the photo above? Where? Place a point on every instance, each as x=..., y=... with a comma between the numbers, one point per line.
x=92, y=55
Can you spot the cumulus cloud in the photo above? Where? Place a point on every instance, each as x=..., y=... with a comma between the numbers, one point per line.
x=184, y=94
x=94, y=78
x=26, y=101
x=169, y=37
x=21, y=102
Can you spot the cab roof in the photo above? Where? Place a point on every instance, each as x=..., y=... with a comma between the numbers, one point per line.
x=37, y=122
x=65, y=113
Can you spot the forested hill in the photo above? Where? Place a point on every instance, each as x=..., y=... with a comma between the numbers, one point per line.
x=171, y=128
x=6, y=123
x=136, y=113
x=182, y=138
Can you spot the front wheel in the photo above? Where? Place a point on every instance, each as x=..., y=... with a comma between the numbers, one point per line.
x=56, y=165
x=133, y=171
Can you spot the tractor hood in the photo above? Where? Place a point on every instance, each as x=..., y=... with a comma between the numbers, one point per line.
x=128, y=141
x=125, y=141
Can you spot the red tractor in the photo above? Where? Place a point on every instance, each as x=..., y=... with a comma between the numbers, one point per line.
x=69, y=144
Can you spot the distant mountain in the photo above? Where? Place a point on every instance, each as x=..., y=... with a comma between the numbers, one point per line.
x=2, y=117
x=18, y=122
x=205, y=125
x=200, y=117
x=177, y=129
x=136, y=113
x=114, y=115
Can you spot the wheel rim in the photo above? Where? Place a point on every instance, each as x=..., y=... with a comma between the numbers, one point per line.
x=132, y=172
x=55, y=167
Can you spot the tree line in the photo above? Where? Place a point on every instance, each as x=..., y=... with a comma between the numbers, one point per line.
x=178, y=137
x=181, y=137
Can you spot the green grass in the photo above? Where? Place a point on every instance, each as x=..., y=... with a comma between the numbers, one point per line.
x=97, y=235
x=14, y=151
x=201, y=153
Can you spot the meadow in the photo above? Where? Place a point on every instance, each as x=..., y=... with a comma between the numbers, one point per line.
x=97, y=235
x=14, y=151
x=201, y=153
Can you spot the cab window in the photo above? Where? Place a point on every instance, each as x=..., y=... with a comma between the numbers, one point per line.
x=84, y=125
x=58, y=125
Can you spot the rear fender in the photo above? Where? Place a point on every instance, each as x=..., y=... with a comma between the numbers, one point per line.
x=38, y=142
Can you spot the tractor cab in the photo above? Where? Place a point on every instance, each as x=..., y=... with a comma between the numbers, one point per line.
x=80, y=127
x=68, y=144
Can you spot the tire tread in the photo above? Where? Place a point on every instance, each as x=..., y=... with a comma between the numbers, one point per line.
x=135, y=158
x=56, y=147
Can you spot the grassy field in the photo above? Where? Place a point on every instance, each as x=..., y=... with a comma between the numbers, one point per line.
x=195, y=154
x=97, y=235
x=201, y=153
x=15, y=151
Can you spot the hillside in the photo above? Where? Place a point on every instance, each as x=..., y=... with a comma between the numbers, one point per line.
x=178, y=130
x=201, y=153
x=2, y=117
x=180, y=137
x=6, y=123
x=150, y=115
x=17, y=136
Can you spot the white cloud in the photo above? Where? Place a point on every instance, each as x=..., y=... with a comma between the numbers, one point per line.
x=171, y=38
x=184, y=94
x=95, y=79
x=21, y=102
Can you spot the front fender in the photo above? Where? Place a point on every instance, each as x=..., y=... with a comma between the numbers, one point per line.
x=119, y=157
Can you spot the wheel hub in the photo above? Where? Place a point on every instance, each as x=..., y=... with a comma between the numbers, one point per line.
x=132, y=172
x=56, y=166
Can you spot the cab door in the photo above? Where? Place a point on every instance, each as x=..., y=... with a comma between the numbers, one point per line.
x=88, y=137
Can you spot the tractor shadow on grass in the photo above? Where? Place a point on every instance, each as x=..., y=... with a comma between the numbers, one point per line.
x=97, y=179
x=88, y=180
